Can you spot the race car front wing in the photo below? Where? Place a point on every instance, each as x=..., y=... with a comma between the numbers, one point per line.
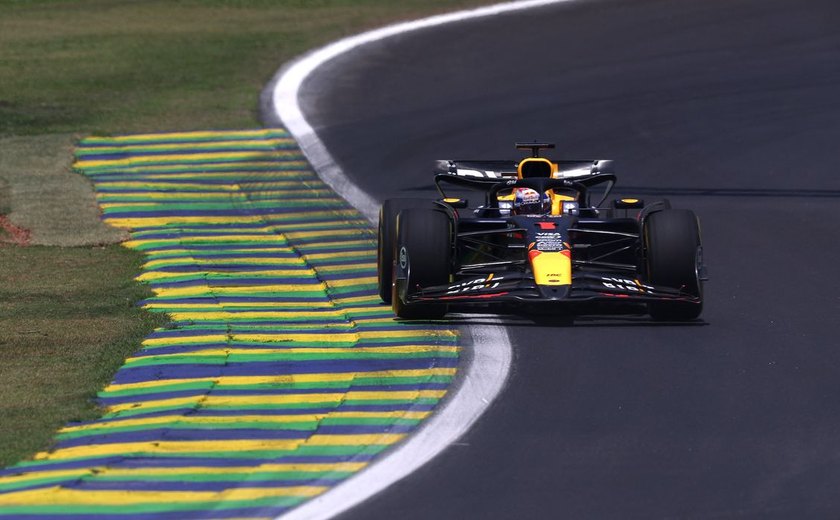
x=521, y=288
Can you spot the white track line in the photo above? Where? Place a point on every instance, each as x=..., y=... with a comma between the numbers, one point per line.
x=488, y=352
x=280, y=98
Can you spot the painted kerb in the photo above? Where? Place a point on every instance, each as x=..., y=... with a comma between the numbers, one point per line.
x=281, y=374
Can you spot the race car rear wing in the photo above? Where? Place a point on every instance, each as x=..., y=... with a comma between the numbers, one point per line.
x=479, y=169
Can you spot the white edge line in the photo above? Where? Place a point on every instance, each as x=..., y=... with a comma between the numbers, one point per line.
x=280, y=98
x=488, y=358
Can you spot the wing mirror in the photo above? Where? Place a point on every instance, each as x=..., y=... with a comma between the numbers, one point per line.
x=456, y=203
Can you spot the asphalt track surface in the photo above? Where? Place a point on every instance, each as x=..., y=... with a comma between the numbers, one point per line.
x=728, y=107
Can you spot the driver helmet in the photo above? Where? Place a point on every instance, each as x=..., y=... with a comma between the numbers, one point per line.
x=528, y=201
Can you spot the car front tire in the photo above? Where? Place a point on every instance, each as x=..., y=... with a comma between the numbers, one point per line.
x=424, y=245
x=672, y=244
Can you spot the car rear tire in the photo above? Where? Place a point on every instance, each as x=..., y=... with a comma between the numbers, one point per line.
x=424, y=244
x=672, y=242
x=388, y=213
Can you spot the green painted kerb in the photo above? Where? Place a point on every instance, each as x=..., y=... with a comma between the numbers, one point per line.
x=281, y=373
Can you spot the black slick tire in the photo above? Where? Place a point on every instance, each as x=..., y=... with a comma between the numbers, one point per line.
x=672, y=239
x=424, y=243
x=387, y=235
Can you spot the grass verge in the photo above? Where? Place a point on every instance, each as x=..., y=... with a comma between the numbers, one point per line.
x=68, y=320
x=117, y=67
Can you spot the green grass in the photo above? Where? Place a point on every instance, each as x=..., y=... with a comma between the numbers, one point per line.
x=119, y=66
x=71, y=68
x=68, y=320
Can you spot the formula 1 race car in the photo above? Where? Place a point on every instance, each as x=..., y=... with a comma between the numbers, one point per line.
x=538, y=241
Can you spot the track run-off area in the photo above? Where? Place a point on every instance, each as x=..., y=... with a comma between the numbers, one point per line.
x=281, y=373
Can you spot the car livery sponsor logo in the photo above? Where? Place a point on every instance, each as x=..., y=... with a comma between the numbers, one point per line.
x=623, y=284
x=403, y=257
x=488, y=282
x=549, y=242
